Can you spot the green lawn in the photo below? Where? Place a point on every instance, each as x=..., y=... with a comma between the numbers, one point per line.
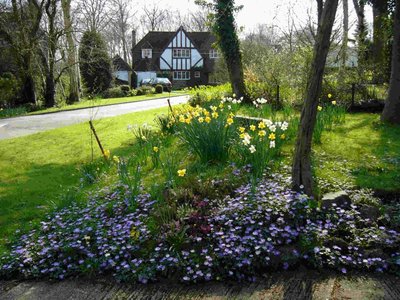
x=37, y=169
x=85, y=103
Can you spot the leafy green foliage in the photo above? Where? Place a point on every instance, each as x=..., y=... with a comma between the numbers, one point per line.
x=95, y=64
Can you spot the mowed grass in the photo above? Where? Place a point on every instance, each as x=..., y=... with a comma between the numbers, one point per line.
x=37, y=169
x=363, y=151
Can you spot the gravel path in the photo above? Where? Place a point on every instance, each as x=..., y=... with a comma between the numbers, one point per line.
x=20, y=126
x=288, y=286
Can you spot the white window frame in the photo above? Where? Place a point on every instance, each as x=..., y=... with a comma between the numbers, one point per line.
x=181, y=75
x=214, y=53
x=146, y=52
x=197, y=74
x=181, y=53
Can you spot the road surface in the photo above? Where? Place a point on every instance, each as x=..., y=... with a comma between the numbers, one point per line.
x=20, y=126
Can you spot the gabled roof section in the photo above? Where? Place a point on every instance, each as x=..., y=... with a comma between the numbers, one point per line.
x=120, y=64
x=159, y=40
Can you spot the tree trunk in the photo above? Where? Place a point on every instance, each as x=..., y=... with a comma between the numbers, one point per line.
x=380, y=37
x=229, y=44
x=345, y=33
x=320, y=7
x=302, y=170
x=72, y=55
x=391, y=112
x=28, y=90
x=359, y=7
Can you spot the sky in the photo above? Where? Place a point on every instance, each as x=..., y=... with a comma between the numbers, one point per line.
x=270, y=12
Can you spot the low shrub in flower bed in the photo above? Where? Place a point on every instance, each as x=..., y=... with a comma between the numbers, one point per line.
x=238, y=237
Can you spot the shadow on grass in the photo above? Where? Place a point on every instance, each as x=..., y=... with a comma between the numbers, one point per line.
x=381, y=171
x=26, y=201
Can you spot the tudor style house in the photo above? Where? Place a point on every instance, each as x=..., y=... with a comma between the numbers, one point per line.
x=186, y=58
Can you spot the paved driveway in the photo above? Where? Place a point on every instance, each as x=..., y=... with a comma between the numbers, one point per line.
x=20, y=126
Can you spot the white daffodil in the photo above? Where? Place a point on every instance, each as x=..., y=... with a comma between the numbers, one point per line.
x=252, y=149
x=272, y=144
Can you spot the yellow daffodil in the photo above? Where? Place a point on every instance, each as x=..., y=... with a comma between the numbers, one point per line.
x=229, y=121
x=201, y=120
x=252, y=127
x=155, y=149
x=182, y=172
x=207, y=119
x=182, y=118
x=187, y=121
x=214, y=115
x=242, y=135
x=116, y=159
x=213, y=108
x=134, y=233
x=206, y=112
x=242, y=129
x=329, y=96
x=262, y=133
x=261, y=125
x=319, y=108
x=272, y=136
x=283, y=136
x=107, y=153
x=196, y=114
x=333, y=102
x=221, y=105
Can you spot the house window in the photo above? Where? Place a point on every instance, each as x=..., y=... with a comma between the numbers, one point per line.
x=181, y=53
x=197, y=74
x=214, y=53
x=181, y=75
x=147, y=53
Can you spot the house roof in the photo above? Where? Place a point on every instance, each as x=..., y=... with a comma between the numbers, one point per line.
x=159, y=40
x=120, y=64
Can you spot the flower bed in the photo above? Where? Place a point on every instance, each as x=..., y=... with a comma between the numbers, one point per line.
x=237, y=237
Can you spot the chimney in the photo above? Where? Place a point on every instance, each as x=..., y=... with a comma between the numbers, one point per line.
x=133, y=39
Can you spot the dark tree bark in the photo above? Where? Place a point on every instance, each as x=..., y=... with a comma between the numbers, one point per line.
x=379, y=39
x=302, y=169
x=320, y=7
x=73, y=68
x=391, y=112
x=359, y=6
x=50, y=59
x=229, y=44
x=345, y=38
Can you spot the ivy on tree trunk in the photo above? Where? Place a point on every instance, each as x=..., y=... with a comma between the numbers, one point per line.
x=228, y=41
x=302, y=169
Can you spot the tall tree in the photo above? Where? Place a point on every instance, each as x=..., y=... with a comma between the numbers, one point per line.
x=73, y=67
x=391, y=112
x=154, y=18
x=95, y=63
x=302, y=168
x=380, y=38
x=359, y=6
x=224, y=27
x=20, y=27
x=94, y=15
x=345, y=37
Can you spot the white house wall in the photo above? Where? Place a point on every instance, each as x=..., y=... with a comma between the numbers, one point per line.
x=180, y=40
x=122, y=75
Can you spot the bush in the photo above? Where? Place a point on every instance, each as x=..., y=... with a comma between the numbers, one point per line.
x=125, y=88
x=159, y=89
x=115, y=92
x=145, y=90
x=8, y=90
x=204, y=94
x=95, y=65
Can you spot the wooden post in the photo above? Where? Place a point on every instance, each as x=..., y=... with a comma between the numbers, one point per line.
x=353, y=92
x=170, y=108
x=278, y=104
x=97, y=138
